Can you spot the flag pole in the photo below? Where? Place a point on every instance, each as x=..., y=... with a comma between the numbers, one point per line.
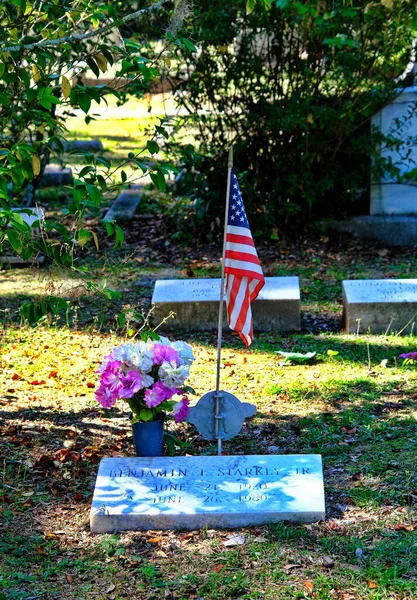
x=217, y=395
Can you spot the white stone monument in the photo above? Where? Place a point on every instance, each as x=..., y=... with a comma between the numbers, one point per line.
x=399, y=119
x=380, y=305
x=195, y=303
x=206, y=491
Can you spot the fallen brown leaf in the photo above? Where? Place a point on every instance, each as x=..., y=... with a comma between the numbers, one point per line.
x=403, y=527
x=218, y=568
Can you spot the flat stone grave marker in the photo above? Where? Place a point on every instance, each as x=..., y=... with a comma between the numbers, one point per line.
x=54, y=175
x=195, y=303
x=191, y=492
x=380, y=305
x=93, y=145
x=125, y=205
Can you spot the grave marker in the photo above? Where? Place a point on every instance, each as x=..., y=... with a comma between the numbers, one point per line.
x=196, y=304
x=206, y=491
x=125, y=205
x=54, y=176
x=380, y=305
x=93, y=145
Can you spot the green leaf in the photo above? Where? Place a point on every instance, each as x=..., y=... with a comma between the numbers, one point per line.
x=159, y=180
x=95, y=194
x=47, y=98
x=145, y=414
x=93, y=66
x=250, y=5
x=152, y=146
x=103, y=161
x=109, y=227
x=121, y=319
x=14, y=241
x=112, y=294
x=84, y=102
x=120, y=236
x=332, y=352
x=86, y=170
x=83, y=236
x=296, y=357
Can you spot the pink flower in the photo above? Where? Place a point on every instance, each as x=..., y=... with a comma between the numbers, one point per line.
x=158, y=393
x=112, y=375
x=132, y=382
x=106, y=397
x=410, y=356
x=165, y=353
x=181, y=409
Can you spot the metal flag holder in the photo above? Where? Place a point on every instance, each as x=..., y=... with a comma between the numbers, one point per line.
x=228, y=411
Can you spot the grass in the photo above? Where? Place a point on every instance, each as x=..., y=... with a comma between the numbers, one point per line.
x=122, y=130
x=361, y=417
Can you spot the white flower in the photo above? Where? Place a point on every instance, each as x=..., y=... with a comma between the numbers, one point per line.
x=122, y=353
x=164, y=341
x=141, y=357
x=172, y=375
x=185, y=352
x=147, y=381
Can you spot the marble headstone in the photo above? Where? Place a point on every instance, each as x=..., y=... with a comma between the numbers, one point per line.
x=397, y=119
x=55, y=176
x=206, y=491
x=195, y=303
x=93, y=145
x=125, y=205
x=380, y=305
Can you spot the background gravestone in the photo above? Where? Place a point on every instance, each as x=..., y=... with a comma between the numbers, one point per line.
x=398, y=118
x=196, y=304
x=125, y=205
x=380, y=305
x=55, y=176
x=84, y=145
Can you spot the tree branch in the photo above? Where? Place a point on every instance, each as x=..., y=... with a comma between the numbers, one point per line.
x=83, y=36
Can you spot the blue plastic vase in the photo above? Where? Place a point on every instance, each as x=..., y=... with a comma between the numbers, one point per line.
x=149, y=438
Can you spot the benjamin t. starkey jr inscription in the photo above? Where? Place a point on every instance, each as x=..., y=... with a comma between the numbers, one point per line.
x=198, y=491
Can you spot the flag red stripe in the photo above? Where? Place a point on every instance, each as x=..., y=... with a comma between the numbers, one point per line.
x=238, y=255
x=239, y=239
x=233, y=294
x=243, y=273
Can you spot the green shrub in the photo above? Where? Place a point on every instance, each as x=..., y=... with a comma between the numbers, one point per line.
x=294, y=86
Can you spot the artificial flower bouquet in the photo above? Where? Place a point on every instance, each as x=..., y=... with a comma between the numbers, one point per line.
x=147, y=374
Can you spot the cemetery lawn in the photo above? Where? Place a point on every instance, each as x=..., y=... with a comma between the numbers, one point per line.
x=355, y=404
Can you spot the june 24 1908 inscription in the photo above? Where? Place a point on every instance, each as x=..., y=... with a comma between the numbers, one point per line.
x=198, y=491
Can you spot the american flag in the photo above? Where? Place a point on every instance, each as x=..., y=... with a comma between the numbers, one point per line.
x=244, y=277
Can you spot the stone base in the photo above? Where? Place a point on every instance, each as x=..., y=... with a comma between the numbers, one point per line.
x=195, y=303
x=391, y=231
x=191, y=492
